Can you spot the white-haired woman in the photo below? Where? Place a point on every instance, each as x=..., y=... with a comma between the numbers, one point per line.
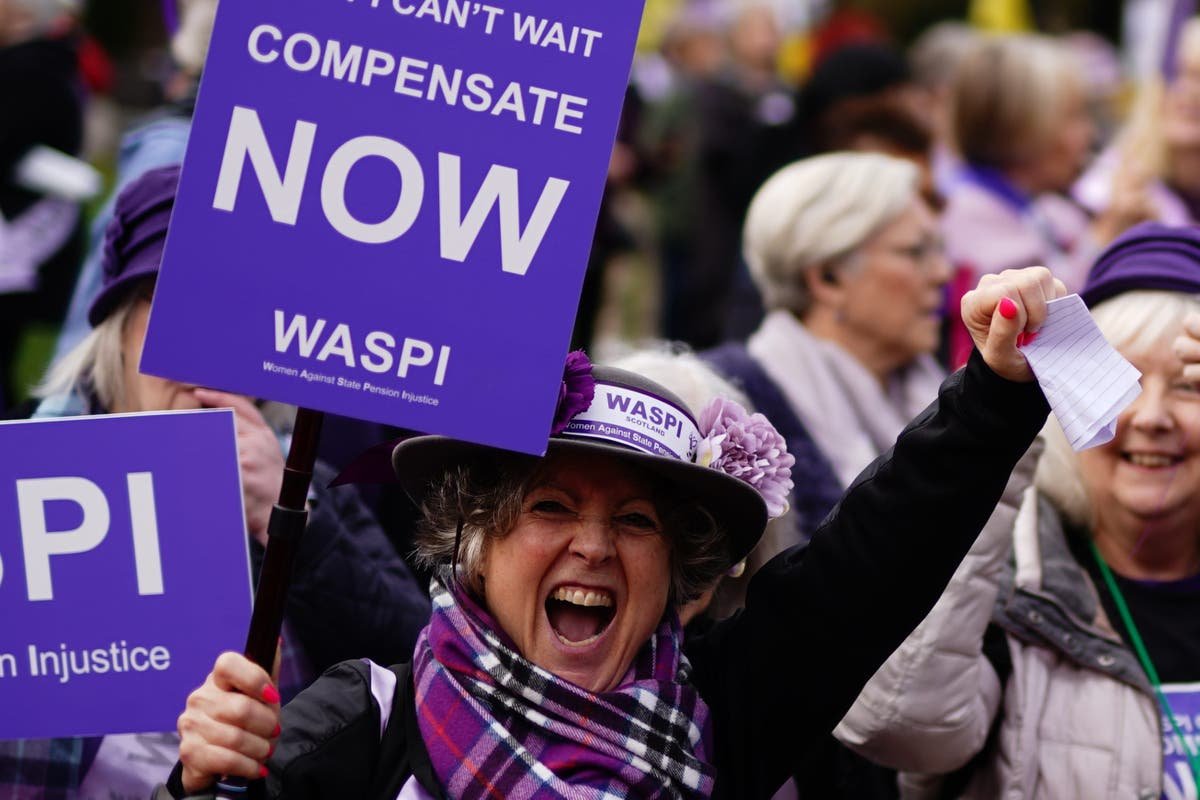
x=848, y=259
x=1020, y=124
x=1063, y=660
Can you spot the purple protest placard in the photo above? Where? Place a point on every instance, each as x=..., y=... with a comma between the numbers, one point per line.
x=1178, y=781
x=123, y=569
x=386, y=207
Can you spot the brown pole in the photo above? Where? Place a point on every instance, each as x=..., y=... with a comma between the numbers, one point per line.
x=288, y=519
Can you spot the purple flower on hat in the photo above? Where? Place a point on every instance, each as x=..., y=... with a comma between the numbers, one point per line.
x=576, y=391
x=748, y=447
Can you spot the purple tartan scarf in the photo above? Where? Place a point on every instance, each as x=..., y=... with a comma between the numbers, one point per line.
x=497, y=726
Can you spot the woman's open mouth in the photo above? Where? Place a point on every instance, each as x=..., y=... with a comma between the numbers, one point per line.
x=579, y=615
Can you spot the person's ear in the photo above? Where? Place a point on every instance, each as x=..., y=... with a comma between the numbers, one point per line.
x=824, y=284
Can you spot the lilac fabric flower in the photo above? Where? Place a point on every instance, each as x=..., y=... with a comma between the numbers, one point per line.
x=748, y=447
x=576, y=391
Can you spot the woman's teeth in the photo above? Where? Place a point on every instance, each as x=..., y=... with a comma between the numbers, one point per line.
x=1150, y=460
x=582, y=597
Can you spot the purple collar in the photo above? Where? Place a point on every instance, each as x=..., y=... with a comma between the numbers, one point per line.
x=1188, y=585
x=992, y=180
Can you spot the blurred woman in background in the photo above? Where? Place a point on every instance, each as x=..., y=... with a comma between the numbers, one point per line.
x=1021, y=126
x=847, y=256
x=1156, y=160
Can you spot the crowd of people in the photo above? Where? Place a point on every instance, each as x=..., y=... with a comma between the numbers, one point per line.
x=876, y=570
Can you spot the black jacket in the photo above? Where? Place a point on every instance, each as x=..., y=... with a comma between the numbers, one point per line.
x=351, y=595
x=818, y=621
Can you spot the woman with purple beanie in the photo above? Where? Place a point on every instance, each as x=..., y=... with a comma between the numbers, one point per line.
x=1064, y=659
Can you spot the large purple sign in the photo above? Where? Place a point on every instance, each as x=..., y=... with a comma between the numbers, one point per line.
x=123, y=569
x=386, y=207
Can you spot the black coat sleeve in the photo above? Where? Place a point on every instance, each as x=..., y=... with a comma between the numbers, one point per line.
x=352, y=595
x=329, y=744
x=820, y=620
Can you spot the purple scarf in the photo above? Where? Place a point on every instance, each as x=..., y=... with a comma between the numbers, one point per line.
x=497, y=726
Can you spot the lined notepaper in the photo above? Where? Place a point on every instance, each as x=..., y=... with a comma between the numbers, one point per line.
x=1087, y=383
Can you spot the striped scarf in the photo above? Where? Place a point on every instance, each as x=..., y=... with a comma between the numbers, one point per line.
x=497, y=726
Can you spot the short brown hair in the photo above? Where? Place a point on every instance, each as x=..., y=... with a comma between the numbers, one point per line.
x=1007, y=97
x=486, y=498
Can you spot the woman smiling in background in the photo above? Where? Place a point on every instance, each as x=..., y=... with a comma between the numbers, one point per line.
x=1064, y=659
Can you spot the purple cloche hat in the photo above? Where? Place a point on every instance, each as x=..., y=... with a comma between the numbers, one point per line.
x=134, y=240
x=1147, y=256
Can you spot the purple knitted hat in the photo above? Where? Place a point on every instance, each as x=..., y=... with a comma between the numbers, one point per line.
x=134, y=240
x=1147, y=256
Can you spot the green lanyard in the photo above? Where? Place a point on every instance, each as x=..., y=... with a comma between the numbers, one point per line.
x=1144, y=657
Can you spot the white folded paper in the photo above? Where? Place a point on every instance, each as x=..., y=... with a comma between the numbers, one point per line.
x=54, y=173
x=1087, y=383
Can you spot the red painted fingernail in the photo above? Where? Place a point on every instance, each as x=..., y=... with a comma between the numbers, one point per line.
x=278, y=730
x=269, y=694
x=271, y=750
x=1021, y=339
x=262, y=771
x=1030, y=337
x=1008, y=309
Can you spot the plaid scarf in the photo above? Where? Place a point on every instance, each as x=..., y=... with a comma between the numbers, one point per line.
x=496, y=726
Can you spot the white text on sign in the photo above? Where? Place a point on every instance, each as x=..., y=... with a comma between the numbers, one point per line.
x=532, y=30
x=406, y=76
x=39, y=544
x=339, y=344
x=283, y=192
